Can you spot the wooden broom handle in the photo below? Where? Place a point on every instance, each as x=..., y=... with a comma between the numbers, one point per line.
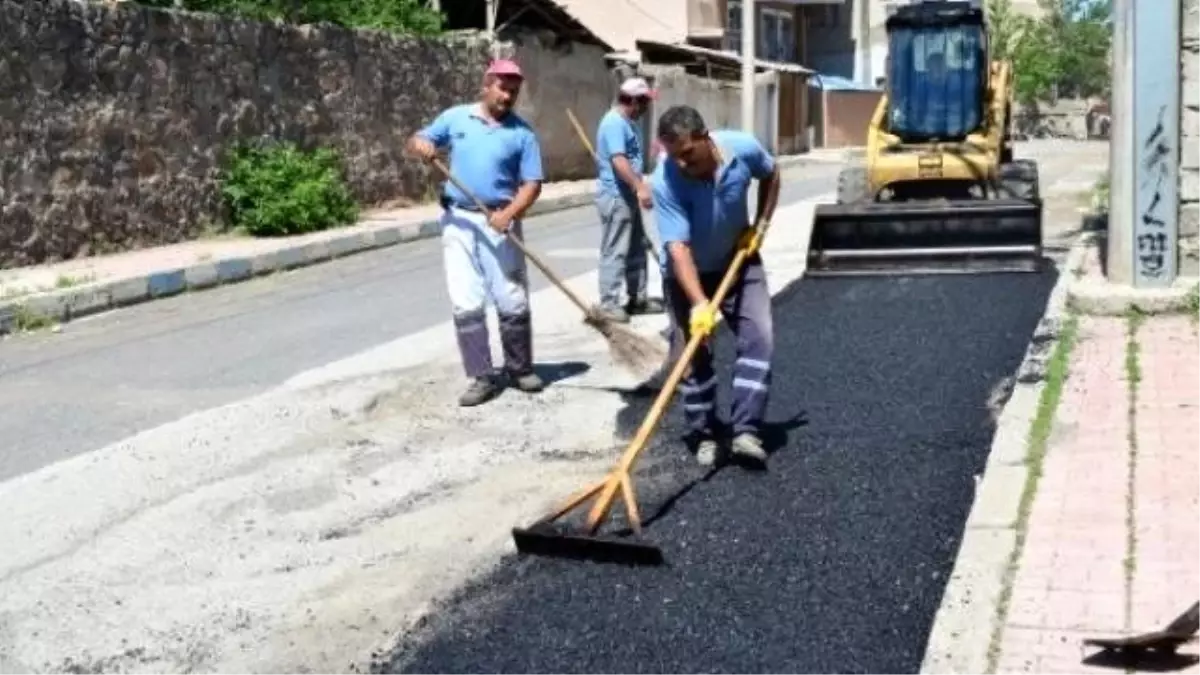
x=554, y=278
x=582, y=134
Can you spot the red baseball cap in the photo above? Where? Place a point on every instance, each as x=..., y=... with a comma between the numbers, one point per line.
x=505, y=67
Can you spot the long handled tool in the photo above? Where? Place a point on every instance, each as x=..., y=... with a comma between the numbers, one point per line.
x=542, y=538
x=588, y=144
x=635, y=352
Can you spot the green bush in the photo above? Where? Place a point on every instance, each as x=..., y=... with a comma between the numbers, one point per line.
x=406, y=17
x=276, y=189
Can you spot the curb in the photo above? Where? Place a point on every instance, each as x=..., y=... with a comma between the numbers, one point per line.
x=966, y=619
x=1100, y=298
x=63, y=305
x=67, y=304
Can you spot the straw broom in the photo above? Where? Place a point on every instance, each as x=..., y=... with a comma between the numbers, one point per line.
x=640, y=355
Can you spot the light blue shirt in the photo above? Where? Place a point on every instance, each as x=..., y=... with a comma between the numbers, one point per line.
x=710, y=216
x=491, y=159
x=617, y=136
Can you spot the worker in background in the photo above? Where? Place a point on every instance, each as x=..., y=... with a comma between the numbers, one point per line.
x=621, y=194
x=495, y=154
x=700, y=200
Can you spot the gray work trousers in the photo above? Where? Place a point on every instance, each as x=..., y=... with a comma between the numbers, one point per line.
x=623, y=254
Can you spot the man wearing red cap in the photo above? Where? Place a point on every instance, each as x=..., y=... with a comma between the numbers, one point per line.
x=621, y=194
x=496, y=155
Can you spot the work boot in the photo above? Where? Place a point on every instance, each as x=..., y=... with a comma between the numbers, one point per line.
x=481, y=390
x=613, y=314
x=708, y=451
x=646, y=306
x=748, y=446
x=528, y=382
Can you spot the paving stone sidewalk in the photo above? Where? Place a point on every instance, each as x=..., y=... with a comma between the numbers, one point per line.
x=1113, y=535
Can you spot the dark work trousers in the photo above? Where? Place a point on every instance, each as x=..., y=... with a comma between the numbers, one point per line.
x=623, y=255
x=484, y=267
x=747, y=311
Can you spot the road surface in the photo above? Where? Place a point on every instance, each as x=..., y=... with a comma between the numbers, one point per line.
x=111, y=376
x=832, y=561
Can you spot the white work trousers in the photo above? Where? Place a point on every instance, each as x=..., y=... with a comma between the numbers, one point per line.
x=482, y=265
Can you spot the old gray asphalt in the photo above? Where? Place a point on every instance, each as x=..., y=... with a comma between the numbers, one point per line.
x=108, y=377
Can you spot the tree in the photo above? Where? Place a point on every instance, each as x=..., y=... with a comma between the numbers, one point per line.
x=413, y=17
x=1064, y=53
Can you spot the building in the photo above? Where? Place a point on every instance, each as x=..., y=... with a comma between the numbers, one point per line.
x=711, y=24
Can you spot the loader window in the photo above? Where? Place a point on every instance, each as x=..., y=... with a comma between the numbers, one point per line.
x=936, y=77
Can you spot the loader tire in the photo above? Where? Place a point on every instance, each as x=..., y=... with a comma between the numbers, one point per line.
x=1019, y=180
x=852, y=185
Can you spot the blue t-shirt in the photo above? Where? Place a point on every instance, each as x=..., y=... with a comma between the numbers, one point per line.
x=617, y=136
x=492, y=159
x=710, y=216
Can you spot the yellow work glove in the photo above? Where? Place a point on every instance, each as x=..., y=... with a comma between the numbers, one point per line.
x=703, y=319
x=750, y=240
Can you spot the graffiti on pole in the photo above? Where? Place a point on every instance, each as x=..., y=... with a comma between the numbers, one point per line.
x=1153, y=243
x=1154, y=57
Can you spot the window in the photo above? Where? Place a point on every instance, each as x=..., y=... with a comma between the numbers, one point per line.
x=733, y=26
x=777, y=36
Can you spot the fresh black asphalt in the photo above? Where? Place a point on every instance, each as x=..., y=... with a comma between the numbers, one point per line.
x=832, y=560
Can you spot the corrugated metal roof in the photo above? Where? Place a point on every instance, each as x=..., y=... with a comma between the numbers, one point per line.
x=837, y=83
x=731, y=57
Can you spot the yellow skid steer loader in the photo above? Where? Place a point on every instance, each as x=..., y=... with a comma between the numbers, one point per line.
x=938, y=189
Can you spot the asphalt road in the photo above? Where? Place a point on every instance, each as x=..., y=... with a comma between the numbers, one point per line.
x=105, y=378
x=833, y=560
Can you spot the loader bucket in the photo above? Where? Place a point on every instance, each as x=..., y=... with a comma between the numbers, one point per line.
x=951, y=236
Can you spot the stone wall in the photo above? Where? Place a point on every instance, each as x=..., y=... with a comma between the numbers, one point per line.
x=114, y=121
x=1189, y=147
x=1078, y=119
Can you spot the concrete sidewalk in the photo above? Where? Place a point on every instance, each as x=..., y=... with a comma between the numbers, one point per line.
x=36, y=296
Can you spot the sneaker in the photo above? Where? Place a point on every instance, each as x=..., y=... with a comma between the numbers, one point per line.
x=528, y=382
x=748, y=446
x=646, y=306
x=707, y=452
x=481, y=390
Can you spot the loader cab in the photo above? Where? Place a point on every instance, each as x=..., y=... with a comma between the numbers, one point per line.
x=937, y=71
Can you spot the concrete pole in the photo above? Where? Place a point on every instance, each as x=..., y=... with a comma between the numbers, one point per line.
x=1120, y=162
x=1144, y=217
x=748, y=59
x=490, y=8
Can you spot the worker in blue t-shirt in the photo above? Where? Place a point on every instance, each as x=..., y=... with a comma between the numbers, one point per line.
x=700, y=201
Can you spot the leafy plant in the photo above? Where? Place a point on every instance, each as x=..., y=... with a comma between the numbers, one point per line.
x=277, y=189
x=1063, y=53
x=411, y=17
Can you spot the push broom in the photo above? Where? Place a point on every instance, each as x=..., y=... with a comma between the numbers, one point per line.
x=638, y=354
x=543, y=538
x=588, y=144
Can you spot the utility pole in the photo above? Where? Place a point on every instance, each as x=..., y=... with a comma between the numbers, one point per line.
x=1144, y=155
x=748, y=60
x=490, y=8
